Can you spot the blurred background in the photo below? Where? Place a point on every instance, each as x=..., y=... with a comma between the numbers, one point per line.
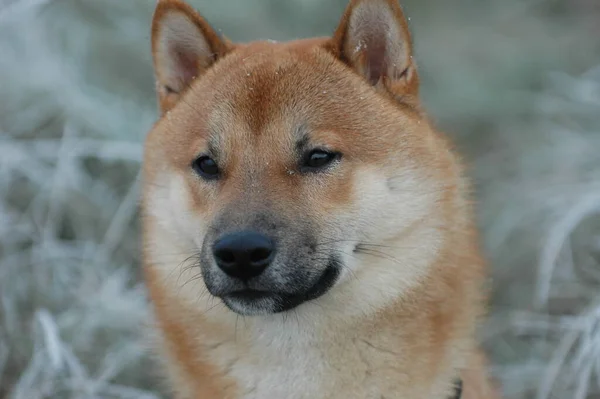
x=516, y=83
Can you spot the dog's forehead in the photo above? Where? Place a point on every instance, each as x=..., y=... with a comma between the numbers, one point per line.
x=268, y=75
x=262, y=85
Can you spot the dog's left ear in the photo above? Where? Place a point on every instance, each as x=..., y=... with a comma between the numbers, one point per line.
x=373, y=39
x=183, y=47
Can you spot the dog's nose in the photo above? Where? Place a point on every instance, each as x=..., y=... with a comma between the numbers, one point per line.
x=244, y=255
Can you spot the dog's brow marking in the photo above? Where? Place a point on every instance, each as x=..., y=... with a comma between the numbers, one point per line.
x=302, y=141
x=213, y=145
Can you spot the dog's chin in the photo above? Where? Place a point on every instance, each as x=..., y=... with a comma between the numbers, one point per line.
x=254, y=303
x=249, y=302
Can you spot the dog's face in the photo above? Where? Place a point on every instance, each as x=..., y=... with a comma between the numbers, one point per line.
x=288, y=170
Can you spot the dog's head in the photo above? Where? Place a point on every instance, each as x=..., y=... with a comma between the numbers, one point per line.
x=291, y=170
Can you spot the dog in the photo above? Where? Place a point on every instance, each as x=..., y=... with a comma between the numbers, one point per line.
x=307, y=232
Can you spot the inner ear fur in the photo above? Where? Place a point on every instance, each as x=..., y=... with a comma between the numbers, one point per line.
x=184, y=46
x=374, y=40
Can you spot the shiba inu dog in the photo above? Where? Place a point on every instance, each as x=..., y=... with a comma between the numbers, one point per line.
x=307, y=233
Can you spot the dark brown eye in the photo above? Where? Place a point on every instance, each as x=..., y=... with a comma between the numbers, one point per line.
x=206, y=167
x=319, y=159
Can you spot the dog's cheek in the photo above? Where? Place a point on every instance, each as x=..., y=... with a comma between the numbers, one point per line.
x=173, y=208
x=174, y=236
x=386, y=205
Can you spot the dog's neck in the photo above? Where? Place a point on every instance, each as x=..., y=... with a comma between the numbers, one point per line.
x=263, y=355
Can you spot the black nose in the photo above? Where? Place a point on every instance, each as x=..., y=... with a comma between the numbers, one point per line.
x=244, y=255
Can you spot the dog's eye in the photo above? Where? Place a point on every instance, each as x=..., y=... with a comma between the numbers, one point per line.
x=206, y=167
x=319, y=159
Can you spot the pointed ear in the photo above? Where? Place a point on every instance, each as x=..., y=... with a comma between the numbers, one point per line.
x=183, y=47
x=373, y=39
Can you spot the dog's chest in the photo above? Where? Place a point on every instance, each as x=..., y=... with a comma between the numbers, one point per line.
x=305, y=371
x=295, y=372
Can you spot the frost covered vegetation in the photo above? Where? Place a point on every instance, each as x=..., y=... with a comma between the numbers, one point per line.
x=516, y=83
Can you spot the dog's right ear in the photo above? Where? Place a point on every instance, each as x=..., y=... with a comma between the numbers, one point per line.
x=183, y=46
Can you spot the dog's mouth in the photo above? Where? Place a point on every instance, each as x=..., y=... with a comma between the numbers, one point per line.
x=251, y=302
